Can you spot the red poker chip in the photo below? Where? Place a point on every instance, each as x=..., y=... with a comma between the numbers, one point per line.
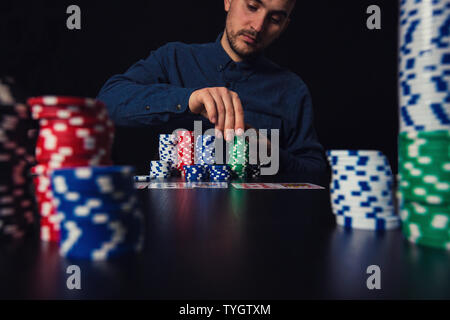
x=76, y=122
x=67, y=133
x=70, y=154
x=65, y=101
x=72, y=147
x=66, y=113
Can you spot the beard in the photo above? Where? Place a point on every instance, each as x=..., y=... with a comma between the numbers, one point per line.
x=232, y=38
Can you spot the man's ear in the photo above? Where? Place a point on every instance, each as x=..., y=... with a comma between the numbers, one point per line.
x=227, y=4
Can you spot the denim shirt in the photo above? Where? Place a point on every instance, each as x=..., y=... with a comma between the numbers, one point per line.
x=156, y=91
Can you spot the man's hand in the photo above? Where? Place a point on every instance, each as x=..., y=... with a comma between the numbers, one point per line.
x=222, y=107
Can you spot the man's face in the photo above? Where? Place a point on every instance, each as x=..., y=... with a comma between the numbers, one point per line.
x=252, y=25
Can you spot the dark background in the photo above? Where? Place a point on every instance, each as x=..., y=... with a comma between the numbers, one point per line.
x=350, y=70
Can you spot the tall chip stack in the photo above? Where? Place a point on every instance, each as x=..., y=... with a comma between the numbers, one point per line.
x=185, y=150
x=168, y=149
x=362, y=190
x=424, y=140
x=239, y=158
x=73, y=132
x=16, y=156
x=205, y=150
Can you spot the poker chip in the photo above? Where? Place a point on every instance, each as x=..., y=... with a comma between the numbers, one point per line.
x=196, y=172
x=160, y=169
x=168, y=149
x=97, y=212
x=16, y=156
x=253, y=171
x=205, y=149
x=375, y=223
x=185, y=149
x=424, y=140
x=219, y=173
x=361, y=190
x=142, y=178
x=423, y=63
x=239, y=157
x=74, y=132
x=424, y=187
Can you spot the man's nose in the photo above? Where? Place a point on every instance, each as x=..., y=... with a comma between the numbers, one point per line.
x=258, y=23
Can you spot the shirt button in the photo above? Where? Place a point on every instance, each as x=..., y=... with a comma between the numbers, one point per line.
x=227, y=84
x=147, y=108
x=220, y=67
x=179, y=107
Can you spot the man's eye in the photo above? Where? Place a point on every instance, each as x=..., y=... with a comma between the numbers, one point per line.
x=276, y=21
x=252, y=8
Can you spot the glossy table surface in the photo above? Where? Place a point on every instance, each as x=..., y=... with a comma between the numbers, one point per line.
x=236, y=244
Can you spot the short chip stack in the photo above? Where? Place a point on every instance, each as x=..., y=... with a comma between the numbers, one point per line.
x=362, y=190
x=220, y=173
x=160, y=169
x=73, y=132
x=196, y=173
x=424, y=154
x=238, y=160
x=100, y=216
x=185, y=150
x=16, y=199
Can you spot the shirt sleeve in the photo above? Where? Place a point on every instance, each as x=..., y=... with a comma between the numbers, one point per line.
x=303, y=156
x=143, y=95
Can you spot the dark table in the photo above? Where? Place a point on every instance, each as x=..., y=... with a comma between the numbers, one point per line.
x=236, y=244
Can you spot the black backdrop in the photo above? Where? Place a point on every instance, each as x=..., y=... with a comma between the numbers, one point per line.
x=350, y=70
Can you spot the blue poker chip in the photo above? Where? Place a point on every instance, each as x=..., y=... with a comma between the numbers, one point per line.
x=101, y=241
x=141, y=178
x=376, y=224
x=103, y=180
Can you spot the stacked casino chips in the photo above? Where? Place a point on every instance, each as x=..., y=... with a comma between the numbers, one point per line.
x=100, y=216
x=16, y=200
x=73, y=132
x=424, y=187
x=185, y=150
x=195, y=173
x=219, y=172
x=168, y=149
x=253, y=171
x=238, y=160
x=205, y=149
x=362, y=190
x=160, y=169
x=424, y=155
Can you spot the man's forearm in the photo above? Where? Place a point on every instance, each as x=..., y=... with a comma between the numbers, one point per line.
x=133, y=104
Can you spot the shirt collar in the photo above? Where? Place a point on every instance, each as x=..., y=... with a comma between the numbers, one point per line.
x=223, y=59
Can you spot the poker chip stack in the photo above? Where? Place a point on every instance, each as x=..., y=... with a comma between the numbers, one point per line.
x=238, y=160
x=205, y=150
x=424, y=141
x=195, y=173
x=16, y=199
x=100, y=217
x=168, y=149
x=361, y=189
x=160, y=169
x=253, y=171
x=219, y=173
x=73, y=132
x=185, y=150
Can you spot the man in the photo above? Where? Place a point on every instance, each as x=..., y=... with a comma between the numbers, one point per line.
x=229, y=83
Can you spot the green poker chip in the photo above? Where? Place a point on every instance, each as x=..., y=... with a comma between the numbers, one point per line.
x=424, y=187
